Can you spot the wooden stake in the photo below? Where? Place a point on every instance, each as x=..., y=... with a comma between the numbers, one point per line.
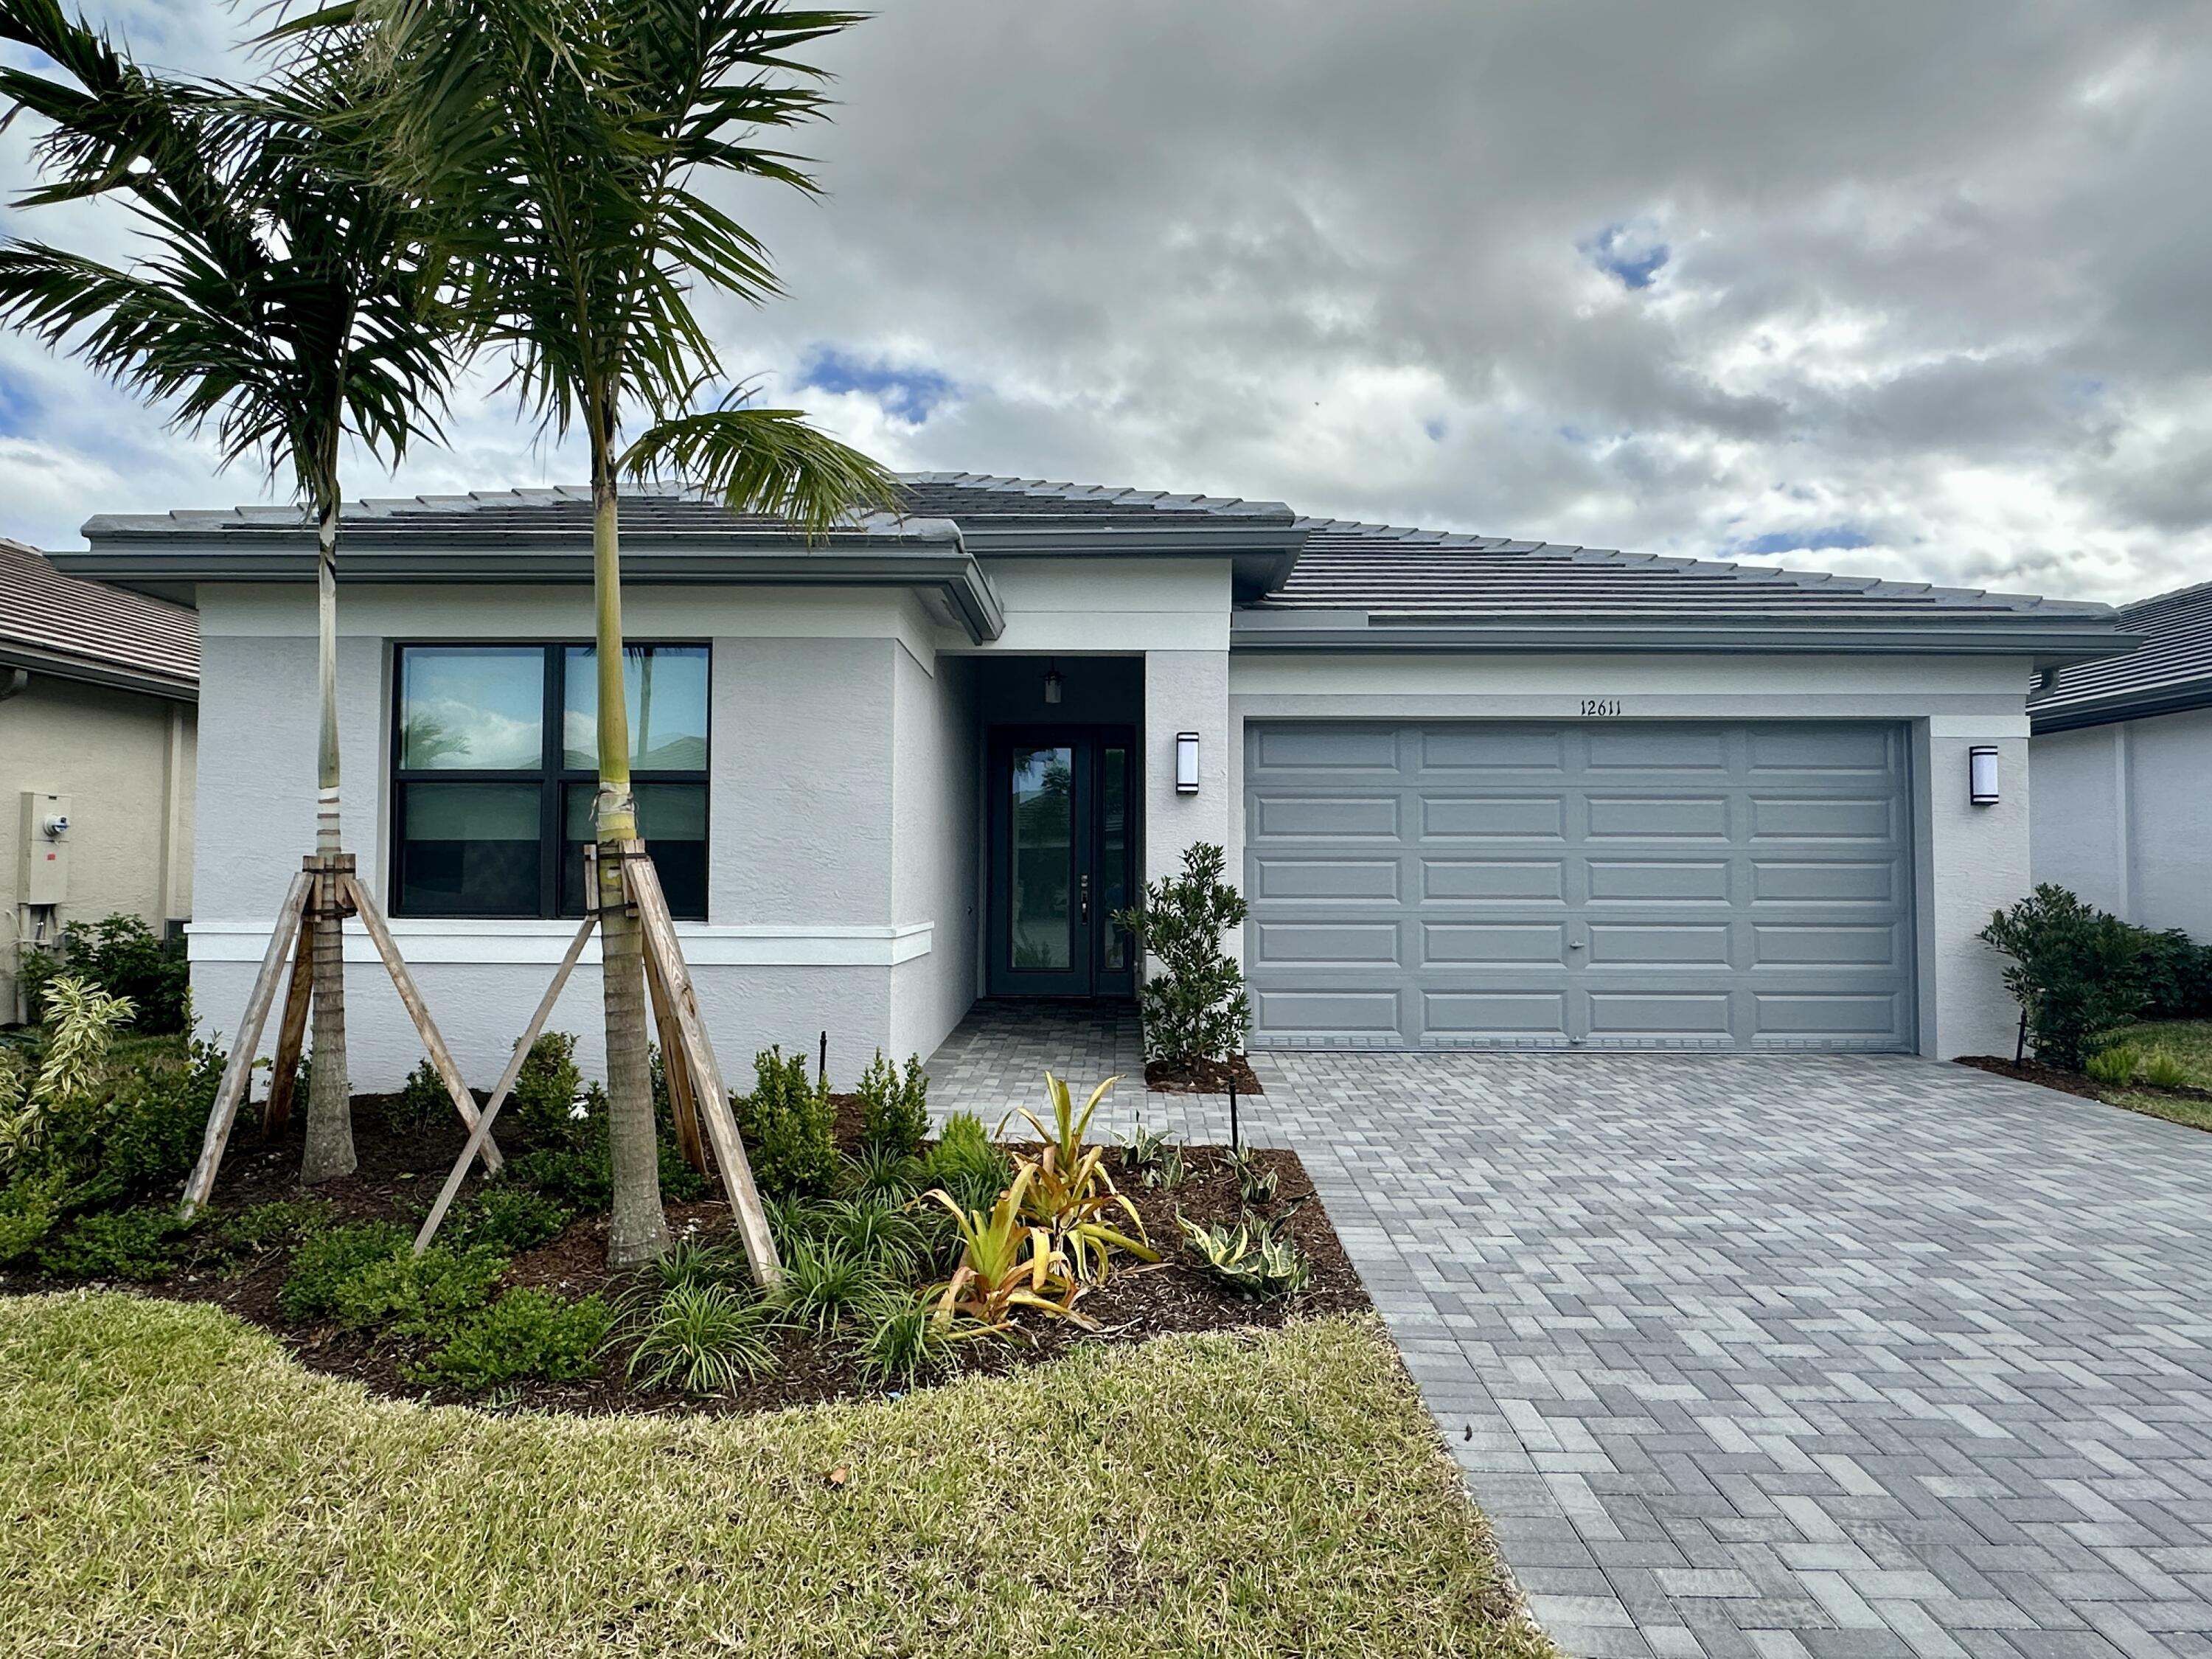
x=291, y=1033
x=643, y=887
x=480, y=1136
x=372, y=921
x=683, y=1096
x=239, y=1066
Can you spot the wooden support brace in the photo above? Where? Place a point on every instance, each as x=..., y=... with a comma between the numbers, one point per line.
x=481, y=1133
x=238, y=1067
x=676, y=1066
x=291, y=1033
x=643, y=887
x=441, y=1058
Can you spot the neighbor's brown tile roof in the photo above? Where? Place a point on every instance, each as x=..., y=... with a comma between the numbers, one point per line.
x=58, y=625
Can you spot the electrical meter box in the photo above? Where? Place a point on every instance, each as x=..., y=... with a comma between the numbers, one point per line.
x=42, y=842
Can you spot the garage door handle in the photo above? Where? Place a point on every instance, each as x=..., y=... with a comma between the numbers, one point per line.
x=1578, y=945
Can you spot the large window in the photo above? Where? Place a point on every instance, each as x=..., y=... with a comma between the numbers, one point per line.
x=495, y=761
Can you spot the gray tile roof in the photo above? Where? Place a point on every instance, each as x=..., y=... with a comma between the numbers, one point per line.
x=976, y=495
x=55, y=625
x=2171, y=670
x=1385, y=570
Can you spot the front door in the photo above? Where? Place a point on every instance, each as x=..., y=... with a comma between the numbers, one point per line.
x=1063, y=857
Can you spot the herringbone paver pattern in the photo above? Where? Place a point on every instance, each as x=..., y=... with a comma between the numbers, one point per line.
x=1791, y=1356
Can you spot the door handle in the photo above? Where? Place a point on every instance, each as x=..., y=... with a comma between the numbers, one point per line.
x=1082, y=899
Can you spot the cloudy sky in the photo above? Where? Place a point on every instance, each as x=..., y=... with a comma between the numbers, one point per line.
x=1915, y=289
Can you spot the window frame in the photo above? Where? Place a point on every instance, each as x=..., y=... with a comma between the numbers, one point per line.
x=552, y=774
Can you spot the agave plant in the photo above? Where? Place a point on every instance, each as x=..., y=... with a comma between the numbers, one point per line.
x=1005, y=1264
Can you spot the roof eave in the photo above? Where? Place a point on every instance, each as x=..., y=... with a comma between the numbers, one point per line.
x=170, y=565
x=2051, y=642
x=93, y=671
x=2119, y=706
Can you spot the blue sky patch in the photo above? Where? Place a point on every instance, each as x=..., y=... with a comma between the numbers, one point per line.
x=1826, y=540
x=913, y=395
x=1434, y=426
x=18, y=410
x=1630, y=253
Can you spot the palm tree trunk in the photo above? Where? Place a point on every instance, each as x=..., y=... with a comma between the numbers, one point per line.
x=329, y=1101
x=638, y=1229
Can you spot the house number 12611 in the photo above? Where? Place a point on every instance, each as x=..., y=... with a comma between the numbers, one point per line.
x=1601, y=706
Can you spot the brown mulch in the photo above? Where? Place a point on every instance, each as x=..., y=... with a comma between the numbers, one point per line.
x=2072, y=1083
x=1206, y=1077
x=399, y=1175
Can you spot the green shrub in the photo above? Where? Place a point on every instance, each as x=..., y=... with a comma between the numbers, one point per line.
x=137, y=1244
x=28, y=1207
x=526, y=1333
x=508, y=1219
x=903, y=1342
x=155, y=1118
x=703, y=1338
x=894, y=1107
x=2113, y=1065
x=121, y=956
x=2076, y=972
x=789, y=1128
x=2164, y=1069
x=327, y=1260
x=825, y=1283
x=578, y=1172
x=279, y=1224
x=1193, y=996
x=2176, y=974
x=413, y=1295
x=422, y=1102
x=547, y=1090
x=965, y=1163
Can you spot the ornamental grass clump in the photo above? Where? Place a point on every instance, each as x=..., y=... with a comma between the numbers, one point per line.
x=702, y=1337
x=904, y=1343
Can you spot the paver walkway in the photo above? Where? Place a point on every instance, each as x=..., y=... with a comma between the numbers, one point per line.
x=1788, y=1356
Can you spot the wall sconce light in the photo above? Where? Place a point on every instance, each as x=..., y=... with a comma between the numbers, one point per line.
x=1982, y=776
x=1052, y=681
x=1185, y=762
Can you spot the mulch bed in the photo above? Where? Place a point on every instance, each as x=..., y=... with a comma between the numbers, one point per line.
x=400, y=1175
x=1207, y=1077
x=2072, y=1083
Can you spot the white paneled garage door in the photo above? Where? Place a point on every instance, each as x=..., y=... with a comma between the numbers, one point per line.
x=1604, y=884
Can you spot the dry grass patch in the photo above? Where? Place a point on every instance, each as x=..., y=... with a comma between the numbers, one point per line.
x=174, y=1483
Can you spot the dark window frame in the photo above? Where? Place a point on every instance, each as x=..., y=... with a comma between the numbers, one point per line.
x=553, y=775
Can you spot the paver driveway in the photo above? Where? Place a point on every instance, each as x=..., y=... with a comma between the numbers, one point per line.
x=1771, y=1357
x=1788, y=1356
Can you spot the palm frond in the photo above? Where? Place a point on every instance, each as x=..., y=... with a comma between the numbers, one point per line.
x=764, y=460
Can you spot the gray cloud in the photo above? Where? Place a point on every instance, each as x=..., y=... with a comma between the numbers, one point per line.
x=1932, y=280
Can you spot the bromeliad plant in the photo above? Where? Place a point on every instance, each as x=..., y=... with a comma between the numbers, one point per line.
x=1069, y=1193
x=1005, y=1264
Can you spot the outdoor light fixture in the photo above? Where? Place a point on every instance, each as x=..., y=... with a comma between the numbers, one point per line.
x=1982, y=774
x=1185, y=762
x=1052, y=681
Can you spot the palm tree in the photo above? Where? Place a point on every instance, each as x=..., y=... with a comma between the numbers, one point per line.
x=563, y=146
x=279, y=304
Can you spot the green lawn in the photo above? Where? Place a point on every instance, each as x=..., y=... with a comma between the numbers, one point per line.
x=171, y=1483
x=2189, y=1041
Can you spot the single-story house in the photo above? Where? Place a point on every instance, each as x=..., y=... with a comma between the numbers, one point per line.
x=2122, y=749
x=98, y=687
x=1481, y=793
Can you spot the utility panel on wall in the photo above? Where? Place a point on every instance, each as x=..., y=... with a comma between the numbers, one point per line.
x=42, y=839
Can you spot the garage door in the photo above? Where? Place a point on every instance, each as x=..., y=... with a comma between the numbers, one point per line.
x=1602, y=884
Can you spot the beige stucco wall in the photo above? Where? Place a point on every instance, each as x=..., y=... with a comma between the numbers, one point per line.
x=125, y=761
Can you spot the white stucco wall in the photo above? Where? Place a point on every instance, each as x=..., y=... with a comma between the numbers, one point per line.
x=802, y=932
x=125, y=762
x=2124, y=817
x=935, y=830
x=1970, y=860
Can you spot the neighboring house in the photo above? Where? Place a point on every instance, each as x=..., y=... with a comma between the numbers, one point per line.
x=97, y=695
x=2123, y=757
x=1481, y=793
